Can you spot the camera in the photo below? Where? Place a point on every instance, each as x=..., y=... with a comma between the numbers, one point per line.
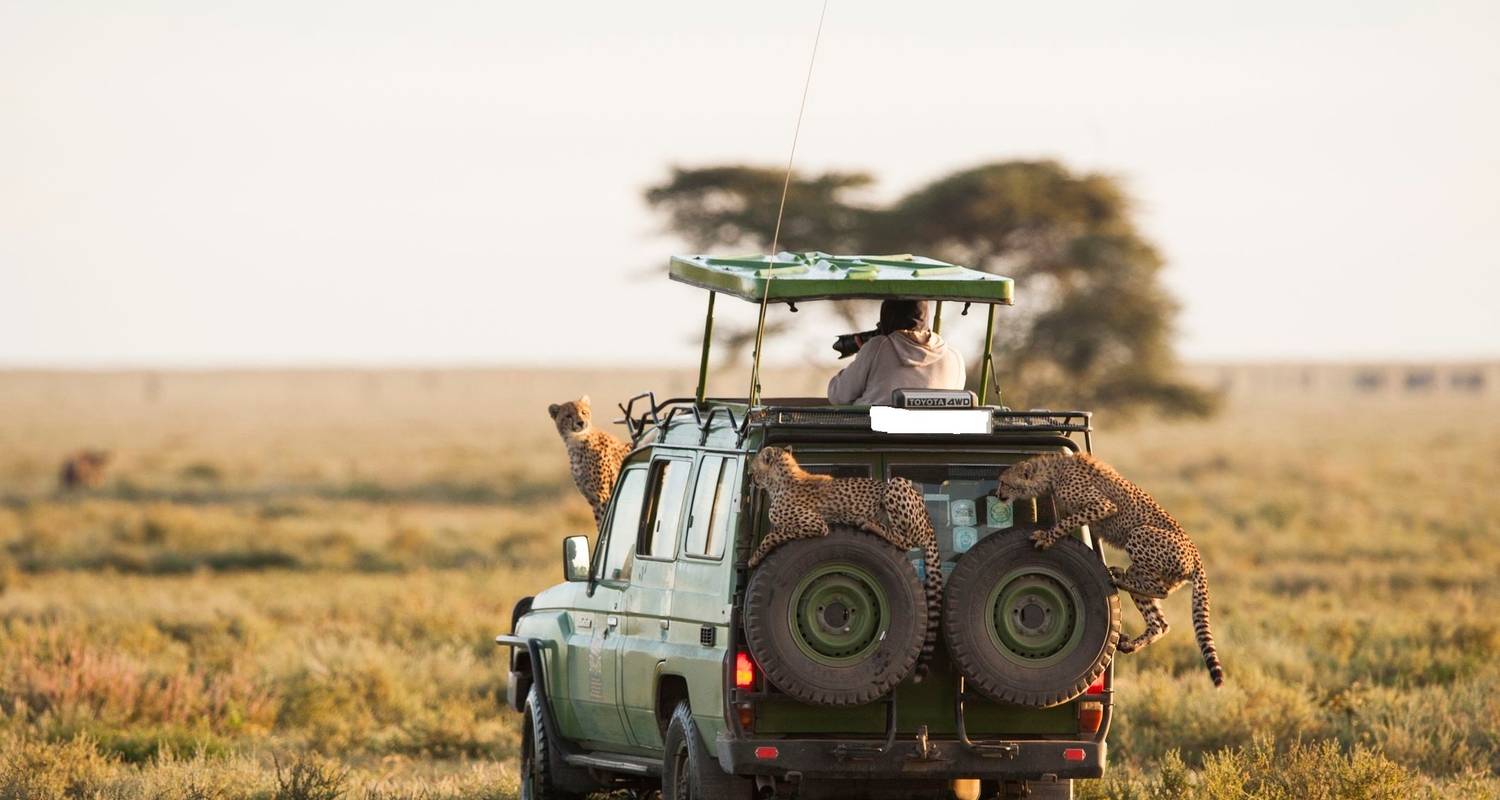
x=849, y=344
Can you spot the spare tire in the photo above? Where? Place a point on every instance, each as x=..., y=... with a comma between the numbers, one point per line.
x=1027, y=626
x=837, y=620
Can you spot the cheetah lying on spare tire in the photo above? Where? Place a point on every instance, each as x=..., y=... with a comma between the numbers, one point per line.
x=594, y=456
x=1088, y=491
x=803, y=505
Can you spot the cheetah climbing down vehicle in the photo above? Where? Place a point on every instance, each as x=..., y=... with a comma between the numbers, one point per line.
x=594, y=456
x=1088, y=491
x=803, y=505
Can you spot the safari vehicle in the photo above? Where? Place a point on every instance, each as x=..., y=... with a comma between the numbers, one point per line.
x=664, y=661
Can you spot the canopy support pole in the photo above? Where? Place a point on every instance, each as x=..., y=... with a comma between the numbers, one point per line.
x=708, y=335
x=760, y=335
x=937, y=318
x=988, y=364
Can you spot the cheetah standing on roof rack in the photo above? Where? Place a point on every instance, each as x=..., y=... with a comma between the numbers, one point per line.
x=803, y=505
x=594, y=456
x=1088, y=491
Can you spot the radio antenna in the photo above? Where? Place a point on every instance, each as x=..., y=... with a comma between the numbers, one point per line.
x=786, y=183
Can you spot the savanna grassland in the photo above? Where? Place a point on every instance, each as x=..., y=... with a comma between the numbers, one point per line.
x=288, y=585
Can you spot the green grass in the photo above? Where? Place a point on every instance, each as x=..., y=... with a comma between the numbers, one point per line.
x=270, y=604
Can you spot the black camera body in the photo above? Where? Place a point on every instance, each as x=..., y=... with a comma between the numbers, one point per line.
x=849, y=344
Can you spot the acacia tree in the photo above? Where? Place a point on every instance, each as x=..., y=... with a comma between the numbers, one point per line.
x=1093, y=323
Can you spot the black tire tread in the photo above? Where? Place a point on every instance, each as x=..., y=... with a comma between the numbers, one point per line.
x=966, y=656
x=758, y=595
x=713, y=783
x=541, y=752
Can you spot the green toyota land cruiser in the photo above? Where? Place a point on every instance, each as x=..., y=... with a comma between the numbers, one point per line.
x=642, y=669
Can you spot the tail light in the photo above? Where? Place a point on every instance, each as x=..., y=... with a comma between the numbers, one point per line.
x=744, y=671
x=1074, y=754
x=1090, y=716
x=1097, y=687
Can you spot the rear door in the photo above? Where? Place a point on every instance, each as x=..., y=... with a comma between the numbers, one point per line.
x=701, y=602
x=648, y=599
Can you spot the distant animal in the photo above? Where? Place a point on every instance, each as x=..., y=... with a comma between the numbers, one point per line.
x=803, y=505
x=83, y=470
x=1089, y=492
x=594, y=456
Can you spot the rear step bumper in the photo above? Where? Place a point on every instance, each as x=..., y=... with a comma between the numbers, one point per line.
x=1021, y=759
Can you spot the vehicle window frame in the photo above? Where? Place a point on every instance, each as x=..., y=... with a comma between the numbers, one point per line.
x=893, y=465
x=726, y=461
x=649, y=509
x=1045, y=500
x=601, y=548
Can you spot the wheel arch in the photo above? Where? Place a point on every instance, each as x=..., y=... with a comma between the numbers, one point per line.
x=671, y=689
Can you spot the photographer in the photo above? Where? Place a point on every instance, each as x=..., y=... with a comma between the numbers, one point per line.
x=904, y=354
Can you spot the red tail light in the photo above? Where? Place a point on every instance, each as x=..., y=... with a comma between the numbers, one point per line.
x=744, y=671
x=1090, y=716
x=1097, y=687
x=1073, y=754
x=766, y=753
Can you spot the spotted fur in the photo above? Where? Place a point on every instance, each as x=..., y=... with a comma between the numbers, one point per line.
x=83, y=470
x=594, y=456
x=803, y=505
x=1088, y=491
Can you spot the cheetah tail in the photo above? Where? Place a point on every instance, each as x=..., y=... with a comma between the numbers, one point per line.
x=933, y=588
x=1200, y=627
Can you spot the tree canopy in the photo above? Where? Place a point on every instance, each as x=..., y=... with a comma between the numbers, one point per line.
x=1093, y=322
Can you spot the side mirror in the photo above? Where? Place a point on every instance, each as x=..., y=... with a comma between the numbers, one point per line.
x=576, y=558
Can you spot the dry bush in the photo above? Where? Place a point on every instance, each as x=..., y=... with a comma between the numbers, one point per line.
x=334, y=585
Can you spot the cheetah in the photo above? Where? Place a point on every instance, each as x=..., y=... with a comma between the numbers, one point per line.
x=1090, y=492
x=803, y=505
x=83, y=470
x=594, y=456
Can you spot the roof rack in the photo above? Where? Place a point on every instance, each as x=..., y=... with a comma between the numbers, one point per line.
x=660, y=416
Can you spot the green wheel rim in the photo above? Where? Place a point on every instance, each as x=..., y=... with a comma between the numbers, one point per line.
x=838, y=614
x=1034, y=619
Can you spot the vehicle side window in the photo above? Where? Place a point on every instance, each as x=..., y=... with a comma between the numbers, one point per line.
x=713, y=497
x=658, y=537
x=623, y=526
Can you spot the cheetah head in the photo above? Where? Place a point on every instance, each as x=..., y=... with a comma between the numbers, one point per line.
x=771, y=466
x=1022, y=480
x=572, y=418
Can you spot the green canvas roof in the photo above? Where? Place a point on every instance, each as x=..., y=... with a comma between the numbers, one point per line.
x=820, y=276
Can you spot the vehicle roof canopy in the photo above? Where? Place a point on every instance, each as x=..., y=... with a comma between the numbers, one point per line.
x=816, y=275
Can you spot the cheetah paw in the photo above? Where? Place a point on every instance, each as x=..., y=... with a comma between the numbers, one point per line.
x=1043, y=539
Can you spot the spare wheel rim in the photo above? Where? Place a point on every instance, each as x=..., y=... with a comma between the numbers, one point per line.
x=1034, y=616
x=838, y=614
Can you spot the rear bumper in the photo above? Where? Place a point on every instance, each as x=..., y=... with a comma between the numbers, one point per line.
x=1021, y=759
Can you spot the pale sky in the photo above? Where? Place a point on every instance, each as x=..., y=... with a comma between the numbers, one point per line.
x=264, y=183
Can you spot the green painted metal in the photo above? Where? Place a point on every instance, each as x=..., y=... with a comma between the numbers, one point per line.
x=937, y=317
x=839, y=613
x=987, y=366
x=819, y=276
x=1034, y=616
x=708, y=336
x=929, y=704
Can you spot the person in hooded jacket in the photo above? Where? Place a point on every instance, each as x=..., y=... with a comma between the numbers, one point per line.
x=906, y=355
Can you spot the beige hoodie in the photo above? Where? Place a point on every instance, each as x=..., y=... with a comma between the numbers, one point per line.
x=903, y=360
